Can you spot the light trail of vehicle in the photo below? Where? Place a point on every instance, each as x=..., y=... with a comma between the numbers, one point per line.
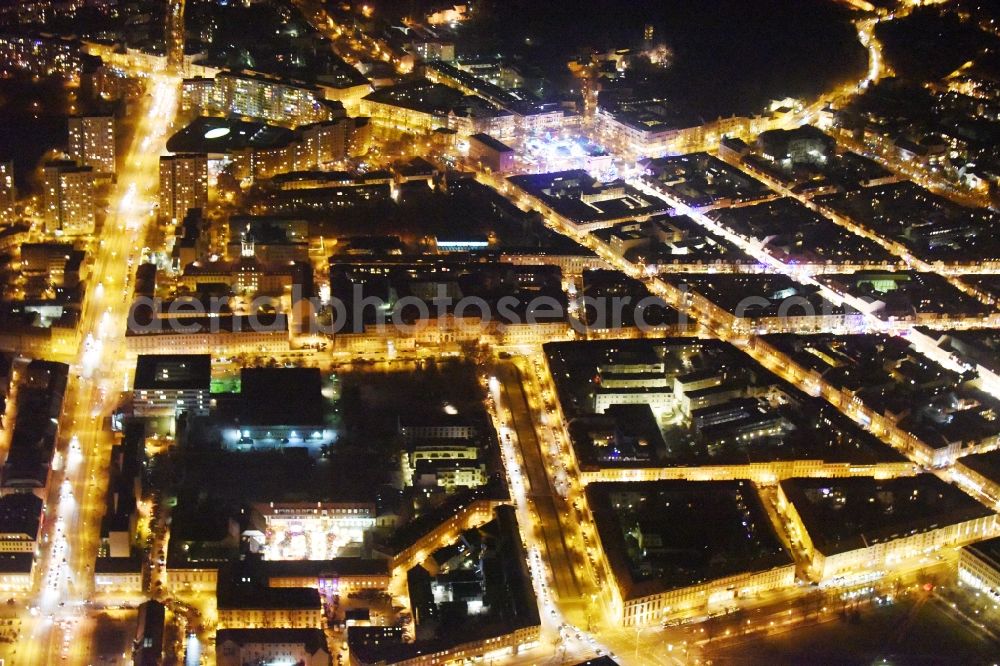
x=76, y=500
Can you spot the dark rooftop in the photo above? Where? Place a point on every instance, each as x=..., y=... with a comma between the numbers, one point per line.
x=663, y=535
x=235, y=596
x=20, y=513
x=849, y=513
x=492, y=143
x=113, y=565
x=207, y=134
x=343, y=566
x=16, y=563
x=435, y=99
x=281, y=396
x=313, y=639
x=988, y=551
x=173, y=371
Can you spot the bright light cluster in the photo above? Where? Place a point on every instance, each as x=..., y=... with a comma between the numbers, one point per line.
x=559, y=152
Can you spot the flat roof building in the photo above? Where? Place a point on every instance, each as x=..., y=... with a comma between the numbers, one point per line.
x=168, y=384
x=20, y=521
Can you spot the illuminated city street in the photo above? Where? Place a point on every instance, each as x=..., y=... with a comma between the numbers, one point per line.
x=356, y=334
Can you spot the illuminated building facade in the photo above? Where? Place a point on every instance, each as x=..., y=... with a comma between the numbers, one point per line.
x=270, y=608
x=893, y=520
x=979, y=567
x=645, y=130
x=68, y=198
x=183, y=184
x=20, y=522
x=16, y=571
x=223, y=335
x=42, y=54
x=118, y=575
x=313, y=530
x=235, y=647
x=331, y=576
x=648, y=585
x=315, y=145
x=257, y=96
x=92, y=142
x=169, y=384
x=497, y=156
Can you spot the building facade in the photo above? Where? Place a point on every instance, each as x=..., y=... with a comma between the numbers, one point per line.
x=169, y=384
x=68, y=198
x=92, y=142
x=183, y=184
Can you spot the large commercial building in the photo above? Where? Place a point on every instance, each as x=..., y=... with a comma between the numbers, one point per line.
x=279, y=407
x=168, y=384
x=653, y=128
x=223, y=335
x=68, y=198
x=92, y=142
x=183, y=184
x=422, y=106
x=338, y=575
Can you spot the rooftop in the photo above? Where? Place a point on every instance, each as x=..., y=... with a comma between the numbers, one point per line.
x=987, y=464
x=702, y=180
x=578, y=196
x=173, y=371
x=434, y=99
x=651, y=115
x=797, y=234
x=210, y=134
x=906, y=293
x=987, y=551
x=492, y=143
x=313, y=639
x=709, y=403
x=251, y=596
x=933, y=227
x=338, y=566
x=849, y=513
x=281, y=396
x=20, y=514
x=758, y=295
x=664, y=535
x=16, y=563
